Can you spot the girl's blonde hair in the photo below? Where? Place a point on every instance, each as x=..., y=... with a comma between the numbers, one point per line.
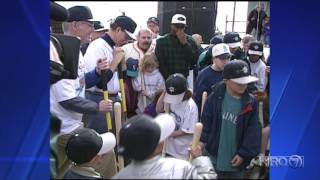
x=149, y=60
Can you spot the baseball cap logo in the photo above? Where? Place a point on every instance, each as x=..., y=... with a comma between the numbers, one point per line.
x=225, y=49
x=256, y=47
x=171, y=89
x=245, y=70
x=236, y=38
x=181, y=19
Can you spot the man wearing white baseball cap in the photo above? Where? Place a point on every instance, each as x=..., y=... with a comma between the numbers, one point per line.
x=231, y=130
x=176, y=51
x=211, y=75
x=142, y=139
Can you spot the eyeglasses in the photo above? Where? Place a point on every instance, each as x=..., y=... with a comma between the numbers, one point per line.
x=88, y=23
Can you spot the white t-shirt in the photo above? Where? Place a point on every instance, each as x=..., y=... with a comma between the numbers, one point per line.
x=152, y=82
x=186, y=116
x=67, y=89
x=258, y=70
x=98, y=49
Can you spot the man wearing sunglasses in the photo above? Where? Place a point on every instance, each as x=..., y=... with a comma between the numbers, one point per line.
x=176, y=51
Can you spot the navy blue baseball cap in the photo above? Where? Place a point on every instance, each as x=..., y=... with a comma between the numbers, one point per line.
x=79, y=13
x=154, y=20
x=127, y=24
x=132, y=67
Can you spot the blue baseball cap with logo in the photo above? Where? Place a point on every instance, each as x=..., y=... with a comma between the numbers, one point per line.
x=132, y=67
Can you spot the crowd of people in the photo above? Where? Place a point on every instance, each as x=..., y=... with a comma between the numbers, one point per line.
x=149, y=75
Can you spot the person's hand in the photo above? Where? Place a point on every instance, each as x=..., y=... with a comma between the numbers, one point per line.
x=196, y=152
x=236, y=161
x=117, y=50
x=102, y=64
x=105, y=105
x=267, y=70
x=181, y=36
x=118, y=56
x=202, y=145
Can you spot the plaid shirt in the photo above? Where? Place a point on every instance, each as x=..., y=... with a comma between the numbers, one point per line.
x=174, y=57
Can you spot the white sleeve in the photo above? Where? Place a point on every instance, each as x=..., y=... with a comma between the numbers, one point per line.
x=191, y=118
x=92, y=55
x=136, y=83
x=64, y=89
x=261, y=84
x=158, y=86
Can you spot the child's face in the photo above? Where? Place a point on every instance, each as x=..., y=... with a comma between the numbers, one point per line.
x=221, y=62
x=236, y=88
x=254, y=58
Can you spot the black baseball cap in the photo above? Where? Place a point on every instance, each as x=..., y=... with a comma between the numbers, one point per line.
x=232, y=39
x=176, y=86
x=154, y=20
x=79, y=13
x=127, y=24
x=238, y=72
x=98, y=26
x=141, y=134
x=218, y=39
x=58, y=12
x=256, y=48
x=86, y=143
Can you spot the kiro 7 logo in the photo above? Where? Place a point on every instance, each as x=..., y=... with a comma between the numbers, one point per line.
x=293, y=161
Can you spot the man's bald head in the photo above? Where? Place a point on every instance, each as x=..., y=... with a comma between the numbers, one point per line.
x=198, y=39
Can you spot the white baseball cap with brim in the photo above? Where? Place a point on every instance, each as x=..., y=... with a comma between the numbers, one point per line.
x=245, y=80
x=234, y=45
x=179, y=19
x=166, y=124
x=108, y=143
x=259, y=53
x=173, y=99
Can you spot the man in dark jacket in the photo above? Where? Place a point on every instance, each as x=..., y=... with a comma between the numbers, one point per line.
x=176, y=52
x=231, y=131
x=255, y=20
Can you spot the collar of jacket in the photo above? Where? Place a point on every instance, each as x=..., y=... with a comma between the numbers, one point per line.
x=219, y=91
x=108, y=39
x=85, y=171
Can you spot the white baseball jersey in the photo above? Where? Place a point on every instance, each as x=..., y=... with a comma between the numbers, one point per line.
x=186, y=116
x=258, y=70
x=66, y=89
x=98, y=49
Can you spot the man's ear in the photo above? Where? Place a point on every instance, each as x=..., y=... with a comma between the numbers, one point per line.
x=118, y=29
x=74, y=25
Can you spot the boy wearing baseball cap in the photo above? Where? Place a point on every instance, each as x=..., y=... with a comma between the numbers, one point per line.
x=231, y=130
x=185, y=113
x=84, y=148
x=257, y=66
x=211, y=74
x=141, y=141
x=233, y=40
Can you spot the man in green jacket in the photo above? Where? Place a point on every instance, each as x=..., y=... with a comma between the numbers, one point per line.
x=176, y=51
